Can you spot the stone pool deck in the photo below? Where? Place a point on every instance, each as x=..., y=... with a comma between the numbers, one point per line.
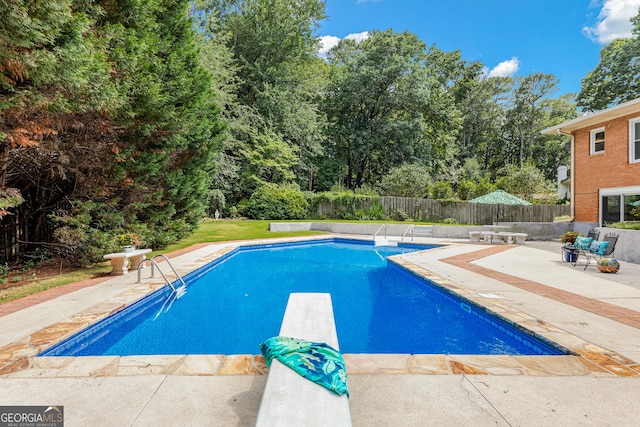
x=595, y=315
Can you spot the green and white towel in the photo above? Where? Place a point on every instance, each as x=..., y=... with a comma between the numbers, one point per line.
x=318, y=362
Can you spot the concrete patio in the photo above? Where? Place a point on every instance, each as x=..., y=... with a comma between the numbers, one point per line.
x=595, y=312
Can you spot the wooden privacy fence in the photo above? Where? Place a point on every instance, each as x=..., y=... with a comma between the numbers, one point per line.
x=435, y=210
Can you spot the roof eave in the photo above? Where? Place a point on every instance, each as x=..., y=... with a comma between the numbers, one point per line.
x=591, y=119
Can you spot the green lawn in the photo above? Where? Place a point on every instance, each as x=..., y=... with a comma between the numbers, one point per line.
x=39, y=285
x=209, y=231
x=221, y=231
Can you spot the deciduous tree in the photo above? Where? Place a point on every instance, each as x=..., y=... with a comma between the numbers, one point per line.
x=386, y=107
x=616, y=78
x=278, y=87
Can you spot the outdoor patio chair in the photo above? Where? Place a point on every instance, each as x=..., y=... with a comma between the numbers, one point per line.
x=575, y=252
x=595, y=254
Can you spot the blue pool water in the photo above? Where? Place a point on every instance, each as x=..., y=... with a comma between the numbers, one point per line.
x=235, y=303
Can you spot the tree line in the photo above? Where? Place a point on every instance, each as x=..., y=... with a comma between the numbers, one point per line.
x=128, y=116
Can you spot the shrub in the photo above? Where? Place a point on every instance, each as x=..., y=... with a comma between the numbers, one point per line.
x=242, y=208
x=627, y=225
x=345, y=205
x=524, y=181
x=4, y=272
x=399, y=215
x=233, y=212
x=442, y=190
x=466, y=189
x=373, y=212
x=408, y=180
x=482, y=187
x=277, y=202
x=86, y=231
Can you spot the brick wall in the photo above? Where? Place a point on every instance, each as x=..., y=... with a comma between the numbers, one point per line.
x=605, y=170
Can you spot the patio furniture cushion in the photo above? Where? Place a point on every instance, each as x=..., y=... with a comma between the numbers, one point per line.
x=582, y=243
x=598, y=247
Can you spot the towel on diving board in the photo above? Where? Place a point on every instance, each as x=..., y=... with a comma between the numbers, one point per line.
x=317, y=362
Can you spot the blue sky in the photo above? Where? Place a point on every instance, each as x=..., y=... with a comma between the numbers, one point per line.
x=510, y=37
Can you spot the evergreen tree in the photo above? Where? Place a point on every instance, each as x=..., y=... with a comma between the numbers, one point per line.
x=107, y=109
x=55, y=93
x=164, y=157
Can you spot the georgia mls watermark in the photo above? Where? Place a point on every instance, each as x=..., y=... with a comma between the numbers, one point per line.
x=31, y=416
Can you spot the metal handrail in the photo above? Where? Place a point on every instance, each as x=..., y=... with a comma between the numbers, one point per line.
x=170, y=265
x=406, y=231
x=154, y=263
x=385, y=231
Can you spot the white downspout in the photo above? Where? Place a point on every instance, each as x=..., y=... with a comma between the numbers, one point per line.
x=571, y=171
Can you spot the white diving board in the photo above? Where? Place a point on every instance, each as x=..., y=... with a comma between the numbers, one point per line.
x=288, y=398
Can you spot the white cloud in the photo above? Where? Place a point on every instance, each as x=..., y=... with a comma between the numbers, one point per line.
x=613, y=20
x=327, y=42
x=358, y=37
x=505, y=68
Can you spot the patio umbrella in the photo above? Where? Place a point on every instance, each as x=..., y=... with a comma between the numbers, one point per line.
x=499, y=197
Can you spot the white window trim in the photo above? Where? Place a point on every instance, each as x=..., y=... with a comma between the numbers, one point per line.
x=632, y=136
x=592, y=140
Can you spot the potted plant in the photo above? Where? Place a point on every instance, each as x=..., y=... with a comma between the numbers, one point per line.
x=129, y=241
x=568, y=239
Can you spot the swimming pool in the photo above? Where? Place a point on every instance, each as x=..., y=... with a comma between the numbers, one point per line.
x=238, y=301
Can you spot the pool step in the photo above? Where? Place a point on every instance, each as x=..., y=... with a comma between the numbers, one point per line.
x=417, y=231
x=384, y=241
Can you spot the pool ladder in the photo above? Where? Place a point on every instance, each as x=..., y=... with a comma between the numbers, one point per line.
x=386, y=241
x=154, y=264
x=382, y=241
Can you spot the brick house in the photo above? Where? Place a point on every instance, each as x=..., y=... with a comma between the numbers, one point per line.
x=605, y=163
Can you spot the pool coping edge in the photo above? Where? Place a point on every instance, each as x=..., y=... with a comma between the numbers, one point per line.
x=20, y=359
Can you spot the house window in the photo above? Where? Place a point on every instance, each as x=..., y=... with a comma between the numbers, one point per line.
x=619, y=204
x=634, y=140
x=632, y=207
x=597, y=141
x=610, y=209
